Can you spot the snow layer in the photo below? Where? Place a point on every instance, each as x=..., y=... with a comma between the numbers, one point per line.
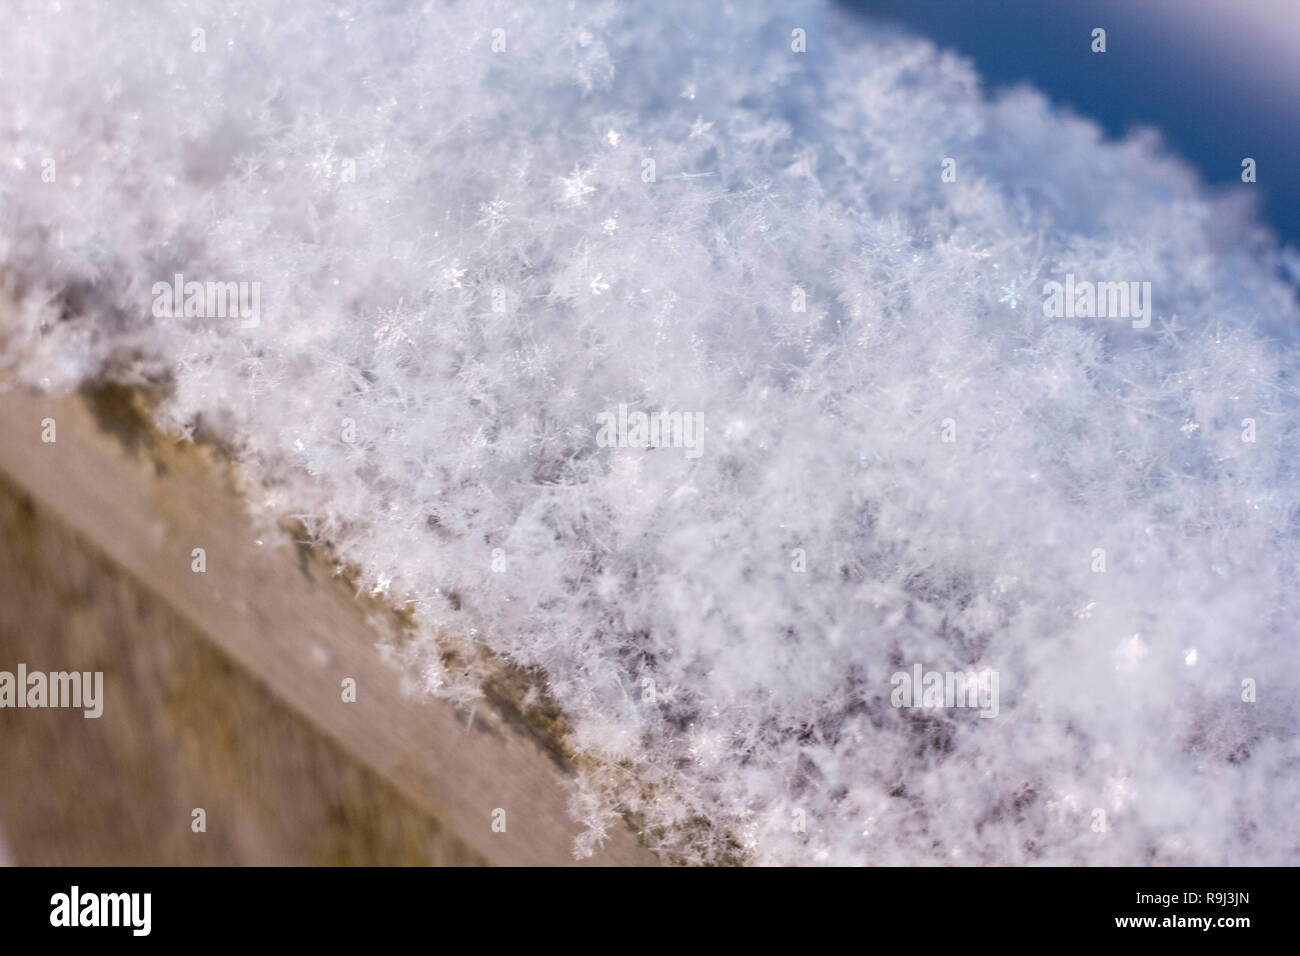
x=463, y=260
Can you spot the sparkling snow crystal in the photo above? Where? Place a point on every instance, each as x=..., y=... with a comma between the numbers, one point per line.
x=476, y=227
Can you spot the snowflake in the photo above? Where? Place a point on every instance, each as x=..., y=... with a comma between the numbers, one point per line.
x=1169, y=331
x=1010, y=294
x=494, y=214
x=575, y=186
x=699, y=127
x=452, y=275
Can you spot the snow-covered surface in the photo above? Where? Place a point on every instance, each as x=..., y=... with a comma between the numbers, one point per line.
x=462, y=264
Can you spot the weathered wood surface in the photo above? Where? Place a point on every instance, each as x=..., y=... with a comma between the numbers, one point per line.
x=223, y=689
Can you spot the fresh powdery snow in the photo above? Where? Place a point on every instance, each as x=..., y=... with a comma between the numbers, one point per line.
x=460, y=263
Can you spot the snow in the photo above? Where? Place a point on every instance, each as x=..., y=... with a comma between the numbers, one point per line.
x=465, y=256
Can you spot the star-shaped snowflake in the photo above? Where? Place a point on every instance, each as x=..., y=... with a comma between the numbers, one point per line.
x=699, y=127
x=575, y=187
x=1010, y=295
x=1169, y=331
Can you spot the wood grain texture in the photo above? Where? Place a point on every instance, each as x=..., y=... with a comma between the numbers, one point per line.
x=223, y=689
